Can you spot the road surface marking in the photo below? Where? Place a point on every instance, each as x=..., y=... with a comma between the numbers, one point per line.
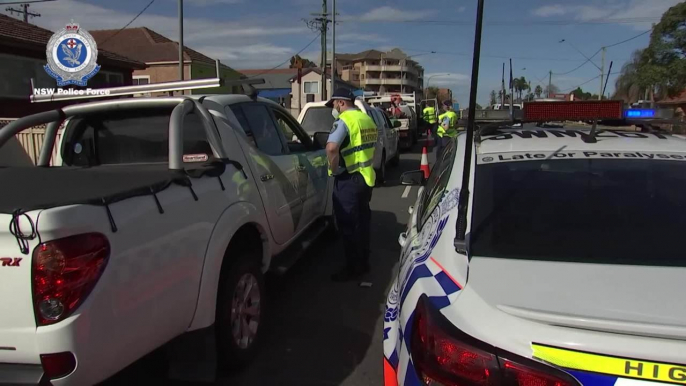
x=407, y=191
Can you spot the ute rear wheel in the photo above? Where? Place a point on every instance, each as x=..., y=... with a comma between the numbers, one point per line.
x=240, y=311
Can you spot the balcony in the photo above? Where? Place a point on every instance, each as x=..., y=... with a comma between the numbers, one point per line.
x=390, y=82
x=398, y=68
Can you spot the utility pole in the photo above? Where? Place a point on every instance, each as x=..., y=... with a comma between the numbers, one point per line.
x=602, y=76
x=320, y=23
x=181, y=40
x=550, y=83
x=334, y=72
x=502, y=92
x=325, y=23
x=23, y=11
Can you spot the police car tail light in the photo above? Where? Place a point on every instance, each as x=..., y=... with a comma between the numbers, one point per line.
x=442, y=356
x=64, y=273
x=445, y=356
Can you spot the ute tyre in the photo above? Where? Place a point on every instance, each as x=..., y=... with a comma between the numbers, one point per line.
x=395, y=161
x=381, y=173
x=240, y=311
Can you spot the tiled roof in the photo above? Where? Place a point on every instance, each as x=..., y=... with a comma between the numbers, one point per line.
x=677, y=100
x=34, y=37
x=252, y=71
x=146, y=45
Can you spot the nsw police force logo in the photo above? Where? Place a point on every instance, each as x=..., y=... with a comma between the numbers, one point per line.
x=72, y=54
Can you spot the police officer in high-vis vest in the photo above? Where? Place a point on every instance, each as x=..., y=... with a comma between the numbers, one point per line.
x=350, y=150
x=447, y=126
x=429, y=115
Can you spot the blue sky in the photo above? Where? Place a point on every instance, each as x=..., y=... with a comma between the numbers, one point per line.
x=264, y=33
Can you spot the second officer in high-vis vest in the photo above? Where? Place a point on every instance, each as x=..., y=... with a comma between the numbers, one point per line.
x=447, y=126
x=429, y=115
x=350, y=150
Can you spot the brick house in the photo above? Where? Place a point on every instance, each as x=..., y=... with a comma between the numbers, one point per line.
x=310, y=88
x=161, y=56
x=22, y=54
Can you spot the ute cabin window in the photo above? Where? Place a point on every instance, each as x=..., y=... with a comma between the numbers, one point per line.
x=143, y=137
x=240, y=116
x=266, y=134
x=297, y=142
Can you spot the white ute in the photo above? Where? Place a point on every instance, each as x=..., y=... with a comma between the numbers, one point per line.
x=161, y=221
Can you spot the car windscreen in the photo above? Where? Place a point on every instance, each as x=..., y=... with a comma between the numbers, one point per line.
x=317, y=119
x=593, y=210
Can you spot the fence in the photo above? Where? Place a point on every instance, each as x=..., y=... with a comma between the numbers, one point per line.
x=32, y=139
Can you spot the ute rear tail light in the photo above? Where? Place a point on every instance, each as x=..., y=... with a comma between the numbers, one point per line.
x=65, y=272
x=445, y=356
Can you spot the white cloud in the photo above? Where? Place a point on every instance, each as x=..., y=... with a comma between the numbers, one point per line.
x=441, y=79
x=551, y=10
x=360, y=37
x=387, y=13
x=240, y=44
x=644, y=12
x=205, y=3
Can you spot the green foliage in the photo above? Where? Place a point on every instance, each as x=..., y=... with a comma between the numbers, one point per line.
x=493, y=98
x=306, y=62
x=539, y=91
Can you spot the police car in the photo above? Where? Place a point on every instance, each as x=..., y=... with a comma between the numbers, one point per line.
x=572, y=271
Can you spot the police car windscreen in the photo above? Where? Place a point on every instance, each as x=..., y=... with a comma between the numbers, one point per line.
x=317, y=119
x=587, y=210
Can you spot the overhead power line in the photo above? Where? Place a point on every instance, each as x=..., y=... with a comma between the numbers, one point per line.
x=588, y=81
x=127, y=24
x=287, y=60
x=523, y=23
x=600, y=49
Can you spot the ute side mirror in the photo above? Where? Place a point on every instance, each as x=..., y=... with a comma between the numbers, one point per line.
x=415, y=177
x=320, y=139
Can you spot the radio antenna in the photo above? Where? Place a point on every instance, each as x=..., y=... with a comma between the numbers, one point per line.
x=460, y=238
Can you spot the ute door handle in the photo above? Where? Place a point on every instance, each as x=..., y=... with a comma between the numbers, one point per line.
x=267, y=177
x=301, y=168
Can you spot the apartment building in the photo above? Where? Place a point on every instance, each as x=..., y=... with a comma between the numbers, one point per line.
x=381, y=72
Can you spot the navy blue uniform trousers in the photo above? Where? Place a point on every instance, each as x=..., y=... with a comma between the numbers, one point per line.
x=351, y=196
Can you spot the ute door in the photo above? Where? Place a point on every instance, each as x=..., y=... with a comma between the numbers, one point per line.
x=311, y=166
x=275, y=170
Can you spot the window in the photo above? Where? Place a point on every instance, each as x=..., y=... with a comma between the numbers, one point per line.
x=141, y=79
x=240, y=116
x=264, y=131
x=311, y=87
x=317, y=119
x=435, y=185
x=134, y=137
x=294, y=138
x=309, y=98
x=362, y=76
x=23, y=70
x=586, y=210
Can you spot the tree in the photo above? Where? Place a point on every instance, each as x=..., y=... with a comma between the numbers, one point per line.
x=431, y=92
x=493, y=96
x=521, y=85
x=478, y=107
x=552, y=89
x=664, y=62
x=306, y=62
x=539, y=91
x=629, y=85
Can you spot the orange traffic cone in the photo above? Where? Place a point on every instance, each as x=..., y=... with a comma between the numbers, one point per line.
x=425, y=163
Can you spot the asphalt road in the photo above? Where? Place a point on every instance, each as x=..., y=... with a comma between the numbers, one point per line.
x=320, y=332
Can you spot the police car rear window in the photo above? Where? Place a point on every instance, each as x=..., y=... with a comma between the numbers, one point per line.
x=612, y=211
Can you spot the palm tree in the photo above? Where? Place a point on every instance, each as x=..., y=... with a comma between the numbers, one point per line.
x=539, y=91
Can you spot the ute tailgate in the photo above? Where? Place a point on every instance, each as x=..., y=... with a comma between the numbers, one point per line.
x=17, y=320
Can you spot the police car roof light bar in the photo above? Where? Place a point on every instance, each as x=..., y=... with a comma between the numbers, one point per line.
x=461, y=227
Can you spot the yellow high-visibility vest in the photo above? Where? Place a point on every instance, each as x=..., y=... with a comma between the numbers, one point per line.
x=430, y=114
x=452, y=129
x=358, y=155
